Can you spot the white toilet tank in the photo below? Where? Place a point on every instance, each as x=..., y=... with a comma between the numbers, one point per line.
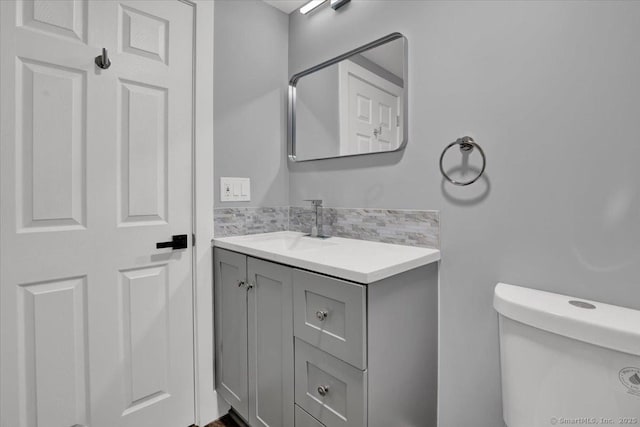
x=567, y=361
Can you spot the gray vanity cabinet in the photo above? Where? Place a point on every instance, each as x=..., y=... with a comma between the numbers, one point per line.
x=306, y=349
x=254, y=346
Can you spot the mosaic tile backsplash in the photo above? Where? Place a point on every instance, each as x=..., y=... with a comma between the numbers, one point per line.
x=240, y=221
x=412, y=228
x=403, y=227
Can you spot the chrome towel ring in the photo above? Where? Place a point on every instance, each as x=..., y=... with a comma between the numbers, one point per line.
x=467, y=144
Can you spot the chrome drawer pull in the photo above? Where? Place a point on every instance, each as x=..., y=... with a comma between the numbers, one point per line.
x=323, y=390
x=321, y=315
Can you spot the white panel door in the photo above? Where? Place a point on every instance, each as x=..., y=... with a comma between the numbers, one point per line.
x=372, y=107
x=97, y=324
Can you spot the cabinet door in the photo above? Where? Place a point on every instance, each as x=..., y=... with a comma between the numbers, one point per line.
x=231, y=328
x=270, y=305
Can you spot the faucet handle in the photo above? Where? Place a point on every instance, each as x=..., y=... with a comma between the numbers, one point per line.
x=314, y=202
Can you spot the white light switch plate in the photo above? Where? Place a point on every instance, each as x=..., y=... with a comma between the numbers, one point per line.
x=235, y=189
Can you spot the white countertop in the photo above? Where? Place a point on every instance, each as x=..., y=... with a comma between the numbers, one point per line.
x=356, y=260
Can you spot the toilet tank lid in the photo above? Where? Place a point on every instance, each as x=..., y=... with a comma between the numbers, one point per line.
x=605, y=325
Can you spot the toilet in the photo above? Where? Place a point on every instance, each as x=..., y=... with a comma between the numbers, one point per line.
x=567, y=361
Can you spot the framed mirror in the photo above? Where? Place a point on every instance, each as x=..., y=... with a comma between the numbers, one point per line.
x=351, y=105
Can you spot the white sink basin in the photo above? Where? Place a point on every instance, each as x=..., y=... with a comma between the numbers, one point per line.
x=356, y=260
x=285, y=242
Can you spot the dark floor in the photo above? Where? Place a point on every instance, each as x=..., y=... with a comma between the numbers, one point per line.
x=225, y=421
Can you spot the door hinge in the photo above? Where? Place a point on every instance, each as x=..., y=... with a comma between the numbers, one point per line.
x=193, y=239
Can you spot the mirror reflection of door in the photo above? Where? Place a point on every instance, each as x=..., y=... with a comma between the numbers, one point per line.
x=370, y=111
x=353, y=104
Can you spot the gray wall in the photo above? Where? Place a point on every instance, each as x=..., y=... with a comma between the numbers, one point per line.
x=550, y=90
x=250, y=93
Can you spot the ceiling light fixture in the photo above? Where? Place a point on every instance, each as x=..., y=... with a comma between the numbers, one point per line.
x=310, y=6
x=337, y=4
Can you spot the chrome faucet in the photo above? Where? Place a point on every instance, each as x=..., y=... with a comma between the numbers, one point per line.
x=317, y=204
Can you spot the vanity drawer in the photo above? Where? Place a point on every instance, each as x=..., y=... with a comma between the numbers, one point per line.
x=303, y=419
x=329, y=389
x=331, y=315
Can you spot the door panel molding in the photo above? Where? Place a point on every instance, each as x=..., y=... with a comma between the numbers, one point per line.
x=68, y=20
x=53, y=351
x=143, y=158
x=143, y=34
x=145, y=295
x=50, y=146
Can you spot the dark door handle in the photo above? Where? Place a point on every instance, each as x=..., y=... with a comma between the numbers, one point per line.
x=179, y=241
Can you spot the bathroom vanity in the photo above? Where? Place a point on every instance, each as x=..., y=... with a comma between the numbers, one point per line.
x=326, y=332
